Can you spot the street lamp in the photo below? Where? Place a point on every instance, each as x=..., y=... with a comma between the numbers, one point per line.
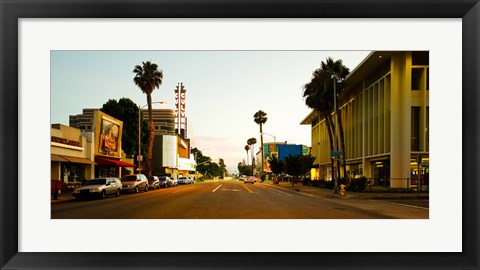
x=334, y=171
x=139, y=156
x=274, y=138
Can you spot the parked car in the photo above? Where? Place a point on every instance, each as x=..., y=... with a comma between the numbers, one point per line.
x=134, y=183
x=98, y=187
x=242, y=177
x=250, y=179
x=165, y=181
x=153, y=182
x=190, y=180
x=183, y=180
x=174, y=181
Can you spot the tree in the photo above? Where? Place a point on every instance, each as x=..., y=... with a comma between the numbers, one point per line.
x=247, y=147
x=127, y=111
x=277, y=167
x=319, y=95
x=251, y=143
x=147, y=78
x=260, y=118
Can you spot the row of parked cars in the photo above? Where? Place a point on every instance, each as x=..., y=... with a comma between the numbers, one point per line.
x=133, y=183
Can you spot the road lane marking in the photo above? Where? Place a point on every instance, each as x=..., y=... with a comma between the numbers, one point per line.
x=228, y=189
x=249, y=190
x=406, y=205
x=216, y=188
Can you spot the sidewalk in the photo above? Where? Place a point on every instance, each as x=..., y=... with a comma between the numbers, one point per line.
x=328, y=193
x=65, y=196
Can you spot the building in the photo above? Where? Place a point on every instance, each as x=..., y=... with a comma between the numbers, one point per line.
x=71, y=154
x=279, y=151
x=83, y=121
x=163, y=121
x=385, y=114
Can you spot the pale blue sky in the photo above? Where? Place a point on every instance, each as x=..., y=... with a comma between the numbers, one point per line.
x=224, y=90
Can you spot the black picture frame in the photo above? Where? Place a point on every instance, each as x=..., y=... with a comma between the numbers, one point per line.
x=11, y=11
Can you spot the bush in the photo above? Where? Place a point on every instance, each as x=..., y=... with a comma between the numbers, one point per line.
x=358, y=185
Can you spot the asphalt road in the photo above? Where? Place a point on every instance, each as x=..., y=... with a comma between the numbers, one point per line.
x=230, y=199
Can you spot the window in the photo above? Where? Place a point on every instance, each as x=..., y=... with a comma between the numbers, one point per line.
x=415, y=129
x=417, y=78
x=420, y=58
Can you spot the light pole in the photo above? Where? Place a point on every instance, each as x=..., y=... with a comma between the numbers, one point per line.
x=334, y=171
x=139, y=156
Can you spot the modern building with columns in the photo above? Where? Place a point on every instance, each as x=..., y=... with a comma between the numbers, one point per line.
x=385, y=115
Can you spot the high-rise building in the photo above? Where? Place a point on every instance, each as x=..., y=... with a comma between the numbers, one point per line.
x=83, y=121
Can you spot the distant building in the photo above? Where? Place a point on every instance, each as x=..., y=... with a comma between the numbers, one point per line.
x=385, y=113
x=83, y=121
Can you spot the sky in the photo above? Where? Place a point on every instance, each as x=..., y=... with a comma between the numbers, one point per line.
x=224, y=90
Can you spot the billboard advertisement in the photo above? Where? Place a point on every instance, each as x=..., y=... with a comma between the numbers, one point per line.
x=285, y=150
x=109, y=135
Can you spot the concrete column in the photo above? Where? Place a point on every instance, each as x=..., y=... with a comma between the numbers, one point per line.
x=400, y=119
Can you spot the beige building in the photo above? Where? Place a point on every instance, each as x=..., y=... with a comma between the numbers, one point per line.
x=385, y=115
x=72, y=154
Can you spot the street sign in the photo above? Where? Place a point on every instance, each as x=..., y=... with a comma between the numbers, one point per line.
x=335, y=154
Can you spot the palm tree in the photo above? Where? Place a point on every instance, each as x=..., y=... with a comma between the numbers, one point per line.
x=260, y=118
x=247, y=147
x=147, y=78
x=251, y=142
x=319, y=95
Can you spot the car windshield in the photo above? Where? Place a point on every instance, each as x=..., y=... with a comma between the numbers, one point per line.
x=129, y=178
x=151, y=178
x=95, y=182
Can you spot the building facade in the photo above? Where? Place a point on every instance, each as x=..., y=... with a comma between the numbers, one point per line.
x=385, y=115
x=72, y=155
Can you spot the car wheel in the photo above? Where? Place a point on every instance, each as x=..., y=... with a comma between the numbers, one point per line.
x=136, y=189
x=146, y=188
x=118, y=193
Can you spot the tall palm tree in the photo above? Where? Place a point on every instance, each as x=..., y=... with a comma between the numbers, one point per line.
x=319, y=95
x=247, y=147
x=251, y=143
x=260, y=118
x=147, y=78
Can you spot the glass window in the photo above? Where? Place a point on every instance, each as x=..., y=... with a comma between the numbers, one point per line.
x=420, y=58
x=415, y=129
x=417, y=78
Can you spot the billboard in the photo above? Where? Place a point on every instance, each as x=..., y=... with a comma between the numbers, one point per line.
x=109, y=135
x=169, y=151
x=285, y=150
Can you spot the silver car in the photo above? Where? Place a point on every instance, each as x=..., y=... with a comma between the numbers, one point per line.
x=99, y=188
x=165, y=181
x=174, y=181
x=153, y=182
x=134, y=183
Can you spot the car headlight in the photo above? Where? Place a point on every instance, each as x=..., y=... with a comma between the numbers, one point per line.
x=94, y=190
x=76, y=191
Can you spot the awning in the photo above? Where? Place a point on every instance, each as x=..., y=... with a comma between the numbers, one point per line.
x=112, y=162
x=59, y=158
x=63, y=158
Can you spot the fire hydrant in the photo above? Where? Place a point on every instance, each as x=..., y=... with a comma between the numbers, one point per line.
x=342, y=190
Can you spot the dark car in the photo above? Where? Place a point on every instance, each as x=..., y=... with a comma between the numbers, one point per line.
x=165, y=181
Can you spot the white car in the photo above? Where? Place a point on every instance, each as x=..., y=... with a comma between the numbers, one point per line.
x=183, y=180
x=99, y=188
x=250, y=179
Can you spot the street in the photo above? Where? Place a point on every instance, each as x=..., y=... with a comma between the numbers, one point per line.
x=231, y=199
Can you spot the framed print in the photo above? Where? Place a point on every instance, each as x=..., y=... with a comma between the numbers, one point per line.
x=30, y=239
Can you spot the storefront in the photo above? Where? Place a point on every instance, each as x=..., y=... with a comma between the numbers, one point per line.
x=70, y=156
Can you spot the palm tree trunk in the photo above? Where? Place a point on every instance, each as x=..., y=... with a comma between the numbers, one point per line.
x=261, y=145
x=152, y=134
x=329, y=123
x=342, y=142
